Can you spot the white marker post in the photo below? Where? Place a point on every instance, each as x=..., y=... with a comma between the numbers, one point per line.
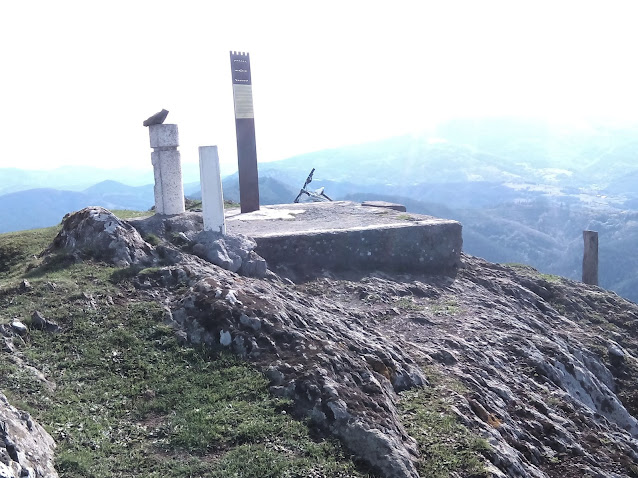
x=212, y=194
x=167, y=167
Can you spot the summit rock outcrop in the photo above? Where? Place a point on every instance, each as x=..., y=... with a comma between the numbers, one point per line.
x=546, y=368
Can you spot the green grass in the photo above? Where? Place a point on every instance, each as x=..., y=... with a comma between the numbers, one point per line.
x=129, y=400
x=18, y=249
x=521, y=267
x=129, y=214
x=228, y=204
x=407, y=303
x=524, y=268
x=152, y=239
x=551, y=278
x=447, y=307
x=192, y=204
x=445, y=445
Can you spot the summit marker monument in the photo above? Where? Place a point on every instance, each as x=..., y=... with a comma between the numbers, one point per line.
x=245, y=128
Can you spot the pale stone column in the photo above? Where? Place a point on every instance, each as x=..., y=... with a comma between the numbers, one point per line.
x=590, y=257
x=212, y=193
x=167, y=167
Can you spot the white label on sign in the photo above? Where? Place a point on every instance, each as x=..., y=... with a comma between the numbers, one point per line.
x=243, y=101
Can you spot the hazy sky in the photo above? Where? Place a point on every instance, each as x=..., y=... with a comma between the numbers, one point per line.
x=78, y=77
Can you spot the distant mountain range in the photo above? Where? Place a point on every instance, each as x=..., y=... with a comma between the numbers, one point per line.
x=43, y=207
x=79, y=178
x=523, y=189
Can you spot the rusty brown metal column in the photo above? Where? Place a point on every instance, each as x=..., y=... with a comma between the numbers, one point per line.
x=245, y=127
x=590, y=257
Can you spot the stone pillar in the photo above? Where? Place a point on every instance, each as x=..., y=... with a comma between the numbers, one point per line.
x=590, y=257
x=212, y=193
x=167, y=167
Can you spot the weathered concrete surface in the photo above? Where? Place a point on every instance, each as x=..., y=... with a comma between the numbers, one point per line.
x=212, y=192
x=385, y=204
x=163, y=136
x=167, y=167
x=345, y=235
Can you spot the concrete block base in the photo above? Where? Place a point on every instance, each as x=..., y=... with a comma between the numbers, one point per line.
x=307, y=238
x=433, y=248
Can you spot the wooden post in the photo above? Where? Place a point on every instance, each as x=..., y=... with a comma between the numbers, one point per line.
x=590, y=257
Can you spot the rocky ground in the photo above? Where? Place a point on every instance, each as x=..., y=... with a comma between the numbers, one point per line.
x=549, y=364
x=546, y=368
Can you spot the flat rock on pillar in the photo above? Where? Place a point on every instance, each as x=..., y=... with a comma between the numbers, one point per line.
x=157, y=118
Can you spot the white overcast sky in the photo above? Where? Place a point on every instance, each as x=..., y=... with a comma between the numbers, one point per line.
x=77, y=78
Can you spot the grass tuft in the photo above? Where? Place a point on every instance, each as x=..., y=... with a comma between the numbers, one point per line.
x=447, y=447
x=125, y=214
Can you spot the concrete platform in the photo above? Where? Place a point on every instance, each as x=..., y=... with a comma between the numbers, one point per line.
x=345, y=235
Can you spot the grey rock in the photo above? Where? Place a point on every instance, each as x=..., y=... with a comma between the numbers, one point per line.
x=330, y=388
x=96, y=233
x=339, y=409
x=28, y=448
x=168, y=316
x=253, y=266
x=239, y=346
x=384, y=452
x=231, y=298
x=445, y=357
x=25, y=285
x=251, y=322
x=6, y=330
x=409, y=378
x=217, y=253
x=196, y=333
x=157, y=118
x=169, y=227
x=316, y=416
x=181, y=336
x=19, y=328
x=233, y=252
x=275, y=376
x=616, y=354
x=7, y=345
x=225, y=338
x=40, y=322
